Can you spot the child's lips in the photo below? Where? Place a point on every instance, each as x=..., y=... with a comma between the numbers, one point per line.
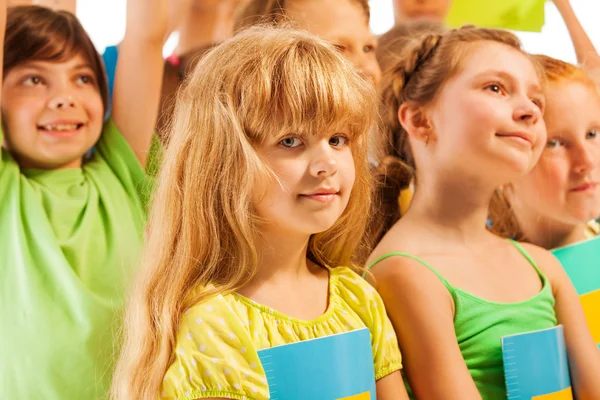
x=61, y=129
x=585, y=187
x=324, y=195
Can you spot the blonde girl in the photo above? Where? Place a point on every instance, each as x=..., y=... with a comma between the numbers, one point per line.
x=71, y=222
x=264, y=188
x=464, y=109
x=343, y=23
x=557, y=203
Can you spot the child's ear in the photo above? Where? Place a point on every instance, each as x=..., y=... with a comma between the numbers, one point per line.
x=415, y=122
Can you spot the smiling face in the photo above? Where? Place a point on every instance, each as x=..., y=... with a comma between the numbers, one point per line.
x=52, y=112
x=314, y=176
x=564, y=187
x=487, y=119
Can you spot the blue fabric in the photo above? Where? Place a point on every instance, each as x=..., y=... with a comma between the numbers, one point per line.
x=110, y=57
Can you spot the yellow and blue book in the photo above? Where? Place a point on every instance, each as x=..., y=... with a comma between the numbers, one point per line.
x=336, y=367
x=581, y=261
x=518, y=15
x=536, y=366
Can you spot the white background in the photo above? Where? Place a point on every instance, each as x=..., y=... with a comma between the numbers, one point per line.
x=105, y=22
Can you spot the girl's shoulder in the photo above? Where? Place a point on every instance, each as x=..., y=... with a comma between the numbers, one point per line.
x=215, y=354
x=357, y=296
x=546, y=264
x=348, y=284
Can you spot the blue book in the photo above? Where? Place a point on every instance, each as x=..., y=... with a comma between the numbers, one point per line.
x=334, y=367
x=535, y=365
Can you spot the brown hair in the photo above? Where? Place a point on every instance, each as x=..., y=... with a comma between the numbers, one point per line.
x=425, y=66
x=503, y=220
x=392, y=43
x=174, y=75
x=273, y=12
x=41, y=34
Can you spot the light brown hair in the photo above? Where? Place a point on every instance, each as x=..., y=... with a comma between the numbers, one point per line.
x=417, y=78
x=35, y=33
x=203, y=229
x=273, y=12
x=392, y=44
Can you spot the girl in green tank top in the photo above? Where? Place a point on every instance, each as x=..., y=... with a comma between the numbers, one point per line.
x=463, y=114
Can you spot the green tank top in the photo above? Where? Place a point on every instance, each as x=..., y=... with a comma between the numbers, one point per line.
x=479, y=325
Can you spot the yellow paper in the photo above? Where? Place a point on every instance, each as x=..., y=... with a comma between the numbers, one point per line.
x=519, y=15
x=591, y=307
x=566, y=394
x=362, y=396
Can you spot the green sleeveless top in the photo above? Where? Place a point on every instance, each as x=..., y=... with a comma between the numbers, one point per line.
x=479, y=325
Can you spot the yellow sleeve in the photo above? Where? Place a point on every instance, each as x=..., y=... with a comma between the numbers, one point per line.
x=386, y=353
x=214, y=357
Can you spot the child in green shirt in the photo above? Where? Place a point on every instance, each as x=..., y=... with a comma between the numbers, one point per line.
x=71, y=224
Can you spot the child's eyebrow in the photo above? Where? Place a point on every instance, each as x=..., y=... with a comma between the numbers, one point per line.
x=83, y=66
x=43, y=65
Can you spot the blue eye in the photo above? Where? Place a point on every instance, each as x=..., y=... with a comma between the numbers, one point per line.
x=553, y=144
x=368, y=48
x=291, y=142
x=338, y=141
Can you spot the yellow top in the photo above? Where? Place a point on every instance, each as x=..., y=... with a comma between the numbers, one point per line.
x=218, y=340
x=593, y=230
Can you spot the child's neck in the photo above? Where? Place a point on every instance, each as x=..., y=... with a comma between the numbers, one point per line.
x=281, y=257
x=550, y=234
x=285, y=280
x=452, y=207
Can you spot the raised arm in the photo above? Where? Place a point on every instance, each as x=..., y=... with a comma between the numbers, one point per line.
x=138, y=77
x=587, y=55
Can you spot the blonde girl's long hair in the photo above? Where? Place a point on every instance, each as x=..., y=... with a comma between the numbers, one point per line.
x=202, y=228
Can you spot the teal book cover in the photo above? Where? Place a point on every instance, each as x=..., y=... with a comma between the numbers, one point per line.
x=536, y=366
x=581, y=261
x=336, y=367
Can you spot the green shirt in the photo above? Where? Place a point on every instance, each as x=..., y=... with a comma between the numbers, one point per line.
x=480, y=325
x=69, y=241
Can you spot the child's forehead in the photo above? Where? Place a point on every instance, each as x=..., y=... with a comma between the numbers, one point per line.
x=73, y=62
x=489, y=58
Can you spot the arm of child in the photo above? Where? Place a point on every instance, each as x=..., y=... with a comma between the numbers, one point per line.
x=139, y=73
x=391, y=387
x=587, y=55
x=424, y=324
x=584, y=358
